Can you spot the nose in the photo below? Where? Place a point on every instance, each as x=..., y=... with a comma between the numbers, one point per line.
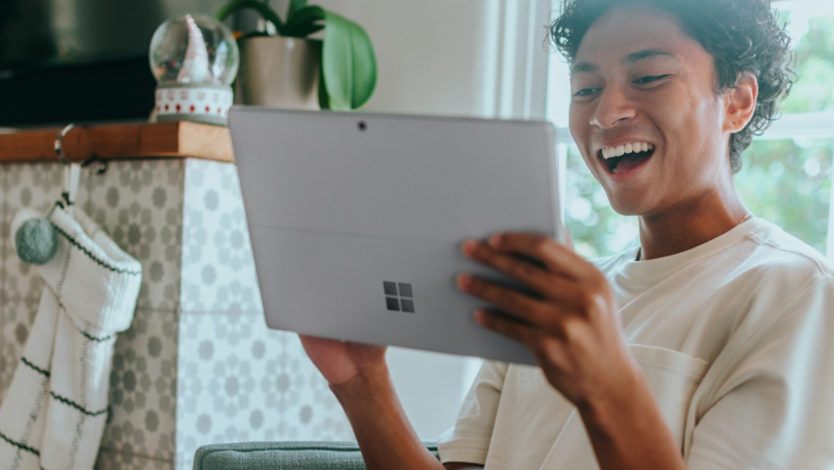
x=613, y=107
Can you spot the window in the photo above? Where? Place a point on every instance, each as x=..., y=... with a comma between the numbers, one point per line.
x=786, y=177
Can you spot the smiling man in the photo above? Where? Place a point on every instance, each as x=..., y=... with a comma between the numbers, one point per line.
x=708, y=347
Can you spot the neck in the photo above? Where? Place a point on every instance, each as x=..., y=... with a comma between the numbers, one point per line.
x=690, y=224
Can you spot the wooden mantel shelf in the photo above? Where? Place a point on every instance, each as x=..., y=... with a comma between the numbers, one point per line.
x=161, y=140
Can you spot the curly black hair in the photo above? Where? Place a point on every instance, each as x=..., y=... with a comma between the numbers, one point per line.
x=741, y=35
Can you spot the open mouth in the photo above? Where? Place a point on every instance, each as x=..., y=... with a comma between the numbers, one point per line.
x=625, y=157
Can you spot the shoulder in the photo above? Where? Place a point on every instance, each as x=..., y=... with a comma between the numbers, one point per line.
x=774, y=256
x=775, y=285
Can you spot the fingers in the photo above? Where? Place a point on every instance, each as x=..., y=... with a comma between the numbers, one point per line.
x=568, y=238
x=538, y=314
x=558, y=258
x=533, y=276
x=512, y=329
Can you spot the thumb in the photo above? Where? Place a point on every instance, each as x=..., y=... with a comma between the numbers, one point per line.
x=567, y=239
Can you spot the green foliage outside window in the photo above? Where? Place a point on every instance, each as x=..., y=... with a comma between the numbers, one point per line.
x=788, y=182
x=814, y=88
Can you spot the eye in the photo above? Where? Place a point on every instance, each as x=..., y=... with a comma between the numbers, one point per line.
x=649, y=79
x=586, y=92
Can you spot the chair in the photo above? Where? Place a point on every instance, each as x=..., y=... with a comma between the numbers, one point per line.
x=284, y=456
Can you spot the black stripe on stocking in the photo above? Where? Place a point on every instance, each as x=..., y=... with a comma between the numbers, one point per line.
x=78, y=407
x=19, y=445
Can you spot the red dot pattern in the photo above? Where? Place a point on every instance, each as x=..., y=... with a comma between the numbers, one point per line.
x=184, y=101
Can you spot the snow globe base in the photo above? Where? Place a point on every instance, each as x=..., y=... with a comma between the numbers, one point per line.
x=205, y=103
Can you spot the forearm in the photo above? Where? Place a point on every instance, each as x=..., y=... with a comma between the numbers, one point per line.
x=382, y=429
x=628, y=431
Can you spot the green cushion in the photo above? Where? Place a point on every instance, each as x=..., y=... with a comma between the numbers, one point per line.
x=284, y=456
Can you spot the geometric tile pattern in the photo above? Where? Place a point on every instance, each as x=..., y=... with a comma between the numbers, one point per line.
x=198, y=364
x=143, y=389
x=218, y=271
x=139, y=205
x=237, y=381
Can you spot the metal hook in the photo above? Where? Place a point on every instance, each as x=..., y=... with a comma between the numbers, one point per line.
x=59, y=143
x=102, y=164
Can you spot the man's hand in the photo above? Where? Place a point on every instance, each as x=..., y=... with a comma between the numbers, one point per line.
x=359, y=378
x=575, y=333
x=341, y=361
x=574, y=330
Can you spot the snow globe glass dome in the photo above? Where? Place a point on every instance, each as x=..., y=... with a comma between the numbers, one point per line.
x=194, y=59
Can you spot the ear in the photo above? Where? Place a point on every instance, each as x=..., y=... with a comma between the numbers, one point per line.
x=741, y=102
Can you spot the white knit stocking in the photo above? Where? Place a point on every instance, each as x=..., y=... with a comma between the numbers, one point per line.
x=55, y=411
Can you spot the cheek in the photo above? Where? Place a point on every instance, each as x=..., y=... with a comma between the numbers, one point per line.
x=692, y=125
x=578, y=126
x=699, y=141
x=707, y=132
x=708, y=113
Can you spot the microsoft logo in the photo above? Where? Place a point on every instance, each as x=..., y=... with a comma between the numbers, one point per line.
x=398, y=297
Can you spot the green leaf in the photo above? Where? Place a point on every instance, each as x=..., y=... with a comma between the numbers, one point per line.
x=265, y=11
x=305, y=21
x=348, y=64
x=252, y=34
x=302, y=31
x=324, y=100
x=294, y=6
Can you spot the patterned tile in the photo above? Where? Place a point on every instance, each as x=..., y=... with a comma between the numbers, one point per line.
x=109, y=460
x=239, y=381
x=16, y=319
x=139, y=204
x=143, y=388
x=218, y=270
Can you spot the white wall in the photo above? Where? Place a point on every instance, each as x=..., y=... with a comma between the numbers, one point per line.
x=431, y=54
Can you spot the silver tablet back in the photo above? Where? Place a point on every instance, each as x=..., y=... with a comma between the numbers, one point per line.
x=356, y=220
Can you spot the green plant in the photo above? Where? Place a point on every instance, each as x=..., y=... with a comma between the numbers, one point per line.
x=348, y=66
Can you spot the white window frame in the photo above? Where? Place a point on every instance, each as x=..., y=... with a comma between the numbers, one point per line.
x=517, y=63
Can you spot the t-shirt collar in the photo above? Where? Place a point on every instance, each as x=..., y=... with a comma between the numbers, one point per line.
x=650, y=269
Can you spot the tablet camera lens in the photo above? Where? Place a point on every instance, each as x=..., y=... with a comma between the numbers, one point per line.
x=362, y=125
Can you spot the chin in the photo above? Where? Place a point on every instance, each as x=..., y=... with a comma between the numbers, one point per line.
x=625, y=210
x=629, y=204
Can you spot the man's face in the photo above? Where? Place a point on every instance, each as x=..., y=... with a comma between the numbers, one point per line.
x=640, y=84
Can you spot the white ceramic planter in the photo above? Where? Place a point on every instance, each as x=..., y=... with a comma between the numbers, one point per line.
x=279, y=72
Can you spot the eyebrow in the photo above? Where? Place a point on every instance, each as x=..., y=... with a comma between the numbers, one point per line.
x=635, y=57
x=583, y=67
x=630, y=59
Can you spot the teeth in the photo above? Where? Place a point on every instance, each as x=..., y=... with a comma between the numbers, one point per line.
x=619, y=151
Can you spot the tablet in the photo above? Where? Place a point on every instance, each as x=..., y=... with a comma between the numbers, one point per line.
x=356, y=220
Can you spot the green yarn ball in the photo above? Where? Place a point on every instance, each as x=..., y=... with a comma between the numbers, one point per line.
x=36, y=241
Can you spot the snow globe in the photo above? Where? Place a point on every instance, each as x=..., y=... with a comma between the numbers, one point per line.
x=194, y=59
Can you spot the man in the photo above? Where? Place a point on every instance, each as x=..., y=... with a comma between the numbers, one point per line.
x=707, y=347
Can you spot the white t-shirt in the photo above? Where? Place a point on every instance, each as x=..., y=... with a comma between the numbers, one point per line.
x=736, y=339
